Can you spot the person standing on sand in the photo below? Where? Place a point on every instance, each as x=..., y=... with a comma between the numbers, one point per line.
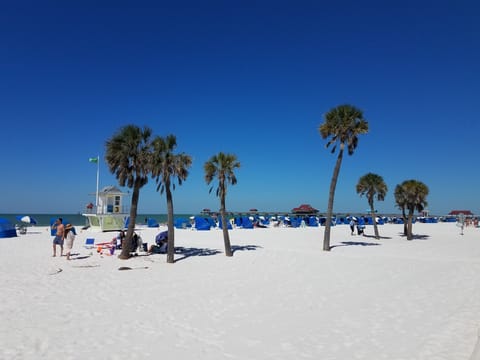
x=352, y=225
x=58, y=239
x=69, y=236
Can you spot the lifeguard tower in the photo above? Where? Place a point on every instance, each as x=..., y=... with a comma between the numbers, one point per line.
x=110, y=214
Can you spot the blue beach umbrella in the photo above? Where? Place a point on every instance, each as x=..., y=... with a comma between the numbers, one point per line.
x=161, y=236
x=26, y=219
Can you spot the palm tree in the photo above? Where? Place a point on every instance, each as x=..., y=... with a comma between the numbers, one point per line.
x=401, y=200
x=371, y=185
x=343, y=124
x=127, y=156
x=412, y=195
x=222, y=166
x=165, y=166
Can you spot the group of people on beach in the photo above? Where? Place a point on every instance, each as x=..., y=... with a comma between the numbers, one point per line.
x=64, y=236
x=360, y=227
x=118, y=241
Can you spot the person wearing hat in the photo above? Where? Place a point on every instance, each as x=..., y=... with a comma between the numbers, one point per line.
x=69, y=238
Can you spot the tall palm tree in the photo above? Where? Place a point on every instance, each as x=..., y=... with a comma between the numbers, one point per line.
x=166, y=166
x=127, y=155
x=342, y=125
x=412, y=195
x=371, y=185
x=222, y=166
x=401, y=201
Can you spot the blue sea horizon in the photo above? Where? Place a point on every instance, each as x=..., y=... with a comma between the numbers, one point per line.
x=80, y=220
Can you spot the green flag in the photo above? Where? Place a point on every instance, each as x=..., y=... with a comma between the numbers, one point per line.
x=94, y=160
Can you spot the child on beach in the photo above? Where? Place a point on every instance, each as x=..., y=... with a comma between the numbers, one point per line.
x=117, y=241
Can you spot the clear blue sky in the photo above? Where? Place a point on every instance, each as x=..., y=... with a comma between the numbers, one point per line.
x=252, y=78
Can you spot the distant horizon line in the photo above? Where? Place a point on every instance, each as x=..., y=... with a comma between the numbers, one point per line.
x=342, y=213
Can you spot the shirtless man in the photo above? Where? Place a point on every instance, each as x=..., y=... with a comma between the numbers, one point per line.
x=58, y=239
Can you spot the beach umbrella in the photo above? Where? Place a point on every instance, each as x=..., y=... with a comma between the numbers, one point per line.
x=27, y=219
x=161, y=236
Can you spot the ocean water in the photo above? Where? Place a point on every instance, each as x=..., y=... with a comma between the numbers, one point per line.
x=80, y=220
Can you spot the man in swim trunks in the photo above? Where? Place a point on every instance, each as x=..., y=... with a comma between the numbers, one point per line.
x=58, y=239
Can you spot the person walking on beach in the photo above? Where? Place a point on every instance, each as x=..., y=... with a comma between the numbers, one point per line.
x=352, y=226
x=69, y=236
x=58, y=239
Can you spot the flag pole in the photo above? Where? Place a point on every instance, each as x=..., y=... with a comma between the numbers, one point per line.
x=98, y=176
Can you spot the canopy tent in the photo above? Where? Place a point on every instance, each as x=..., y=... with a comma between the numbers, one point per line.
x=7, y=229
x=182, y=223
x=152, y=223
x=201, y=223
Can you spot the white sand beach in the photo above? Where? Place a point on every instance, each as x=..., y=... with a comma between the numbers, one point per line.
x=279, y=297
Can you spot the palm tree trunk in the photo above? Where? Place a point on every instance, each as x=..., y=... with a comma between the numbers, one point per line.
x=171, y=230
x=409, y=226
x=405, y=223
x=226, y=237
x=333, y=185
x=127, y=242
x=374, y=220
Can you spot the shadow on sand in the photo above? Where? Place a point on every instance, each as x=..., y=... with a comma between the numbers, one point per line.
x=80, y=257
x=373, y=237
x=244, y=248
x=188, y=252
x=415, y=237
x=355, y=243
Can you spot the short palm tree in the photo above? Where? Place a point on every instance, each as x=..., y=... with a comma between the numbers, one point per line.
x=342, y=125
x=412, y=195
x=371, y=185
x=222, y=166
x=127, y=156
x=166, y=166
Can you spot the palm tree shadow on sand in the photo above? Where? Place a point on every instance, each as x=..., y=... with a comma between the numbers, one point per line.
x=245, y=248
x=416, y=236
x=356, y=243
x=189, y=252
x=373, y=236
x=379, y=238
